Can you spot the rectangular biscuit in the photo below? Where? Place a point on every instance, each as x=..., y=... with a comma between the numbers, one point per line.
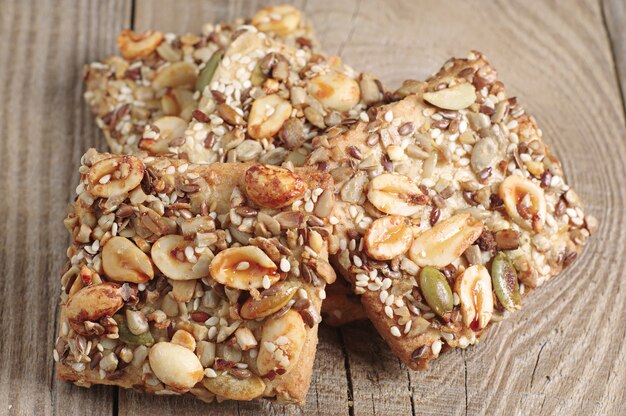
x=450, y=209
x=194, y=279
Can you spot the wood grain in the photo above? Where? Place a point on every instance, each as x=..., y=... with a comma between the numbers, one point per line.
x=615, y=21
x=563, y=354
x=45, y=127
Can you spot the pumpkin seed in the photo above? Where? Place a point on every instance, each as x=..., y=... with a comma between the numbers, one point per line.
x=436, y=291
x=130, y=338
x=270, y=303
x=206, y=75
x=505, y=282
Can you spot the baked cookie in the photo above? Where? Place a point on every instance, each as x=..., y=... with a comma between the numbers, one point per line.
x=450, y=209
x=194, y=279
x=154, y=80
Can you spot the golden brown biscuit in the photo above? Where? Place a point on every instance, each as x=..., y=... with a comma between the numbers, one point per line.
x=450, y=209
x=179, y=284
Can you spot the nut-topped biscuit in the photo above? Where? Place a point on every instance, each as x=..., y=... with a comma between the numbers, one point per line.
x=152, y=84
x=450, y=209
x=265, y=100
x=189, y=279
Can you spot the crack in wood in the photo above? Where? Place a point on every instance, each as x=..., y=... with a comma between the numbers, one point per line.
x=346, y=364
x=612, y=47
x=348, y=38
x=532, y=377
x=465, y=382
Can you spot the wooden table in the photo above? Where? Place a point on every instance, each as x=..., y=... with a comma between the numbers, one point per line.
x=563, y=354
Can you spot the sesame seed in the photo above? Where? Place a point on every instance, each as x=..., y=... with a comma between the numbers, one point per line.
x=243, y=265
x=285, y=266
x=105, y=179
x=395, y=331
x=436, y=347
x=389, y=116
x=266, y=282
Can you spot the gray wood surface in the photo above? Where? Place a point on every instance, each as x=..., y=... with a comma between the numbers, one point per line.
x=563, y=354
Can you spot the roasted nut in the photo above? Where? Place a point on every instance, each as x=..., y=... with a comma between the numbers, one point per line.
x=169, y=255
x=92, y=303
x=280, y=19
x=281, y=343
x=184, y=339
x=176, y=75
x=273, y=187
x=206, y=74
x=133, y=45
x=484, y=154
x=388, y=237
x=136, y=321
x=446, y=241
x=183, y=290
x=505, y=282
x=436, y=291
x=395, y=194
x=280, y=295
x=524, y=201
x=243, y=268
x=370, y=89
x=123, y=261
x=175, y=366
x=114, y=176
x=335, y=91
x=292, y=133
x=474, y=289
x=245, y=338
x=457, y=97
x=267, y=116
x=170, y=127
x=233, y=388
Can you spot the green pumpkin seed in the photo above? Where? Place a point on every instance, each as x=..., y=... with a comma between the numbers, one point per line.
x=505, y=282
x=206, y=75
x=436, y=291
x=130, y=338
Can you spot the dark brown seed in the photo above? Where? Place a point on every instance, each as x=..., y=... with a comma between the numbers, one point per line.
x=209, y=140
x=373, y=138
x=310, y=317
x=419, y=352
x=546, y=178
x=469, y=198
x=560, y=207
x=434, y=215
x=177, y=142
x=485, y=173
x=446, y=192
x=222, y=364
x=495, y=202
x=218, y=96
x=115, y=375
x=467, y=73
x=569, y=258
x=200, y=116
x=199, y=316
x=523, y=211
x=246, y=211
x=373, y=126
x=304, y=42
x=450, y=273
x=189, y=188
x=95, y=360
x=229, y=115
x=387, y=163
x=486, y=241
x=507, y=240
x=441, y=124
x=406, y=129
x=486, y=110
x=301, y=304
x=355, y=152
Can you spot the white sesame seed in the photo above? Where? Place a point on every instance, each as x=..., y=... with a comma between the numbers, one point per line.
x=383, y=296
x=105, y=179
x=407, y=327
x=322, y=294
x=357, y=261
x=210, y=373
x=436, y=347
x=389, y=116
x=285, y=266
x=309, y=206
x=266, y=282
x=395, y=331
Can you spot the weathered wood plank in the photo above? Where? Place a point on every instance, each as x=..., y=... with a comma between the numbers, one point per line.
x=615, y=18
x=44, y=127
